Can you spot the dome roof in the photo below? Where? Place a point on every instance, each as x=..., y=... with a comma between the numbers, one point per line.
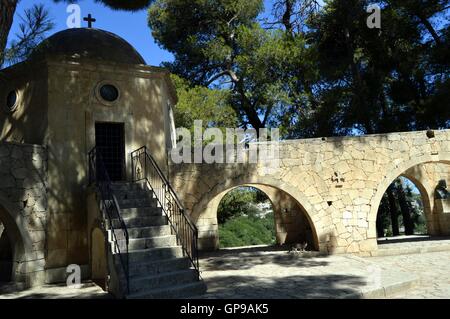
x=89, y=43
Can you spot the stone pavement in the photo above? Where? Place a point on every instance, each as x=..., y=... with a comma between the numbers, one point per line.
x=433, y=270
x=268, y=272
x=273, y=273
x=88, y=290
x=411, y=244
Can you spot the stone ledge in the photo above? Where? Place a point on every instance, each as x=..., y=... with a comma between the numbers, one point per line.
x=409, y=250
x=386, y=291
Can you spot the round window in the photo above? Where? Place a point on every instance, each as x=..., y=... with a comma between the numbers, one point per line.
x=109, y=92
x=11, y=101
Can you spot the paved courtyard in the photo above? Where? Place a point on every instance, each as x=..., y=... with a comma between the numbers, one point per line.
x=87, y=290
x=433, y=270
x=262, y=273
x=267, y=272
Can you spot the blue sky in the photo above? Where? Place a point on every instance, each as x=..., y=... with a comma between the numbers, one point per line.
x=130, y=26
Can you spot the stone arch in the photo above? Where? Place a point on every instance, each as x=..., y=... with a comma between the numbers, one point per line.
x=401, y=169
x=204, y=213
x=19, y=237
x=426, y=193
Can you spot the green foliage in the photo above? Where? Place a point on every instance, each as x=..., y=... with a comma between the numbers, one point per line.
x=33, y=26
x=201, y=103
x=241, y=223
x=414, y=207
x=247, y=231
x=314, y=71
x=220, y=43
x=238, y=202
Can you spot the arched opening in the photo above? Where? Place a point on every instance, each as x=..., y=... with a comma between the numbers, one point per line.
x=262, y=215
x=402, y=210
x=99, y=268
x=426, y=175
x=12, y=266
x=6, y=256
x=246, y=218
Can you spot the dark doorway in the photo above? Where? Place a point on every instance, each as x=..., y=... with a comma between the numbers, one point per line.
x=110, y=143
x=6, y=255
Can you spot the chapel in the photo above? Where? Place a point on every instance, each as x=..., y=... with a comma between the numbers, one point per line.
x=72, y=115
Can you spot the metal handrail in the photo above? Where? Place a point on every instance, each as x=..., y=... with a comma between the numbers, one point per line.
x=98, y=175
x=181, y=224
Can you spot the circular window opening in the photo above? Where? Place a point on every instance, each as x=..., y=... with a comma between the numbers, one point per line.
x=11, y=101
x=109, y=92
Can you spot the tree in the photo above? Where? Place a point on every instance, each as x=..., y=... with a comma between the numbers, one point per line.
x=314, y=70
x=383, y=216
x=211, y=106
x=34, y=25
x=405, y=207
x=239, y=201
x=400, y=199
x=7, y=10
x=220, y=43
x=375, y=81
x=421, y=12
x=393, y=210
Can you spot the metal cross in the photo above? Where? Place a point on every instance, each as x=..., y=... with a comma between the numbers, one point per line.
x=89, y=20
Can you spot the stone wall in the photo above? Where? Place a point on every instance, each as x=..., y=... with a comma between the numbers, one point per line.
x=23, y=207
x=339, y=182
x=291, y=222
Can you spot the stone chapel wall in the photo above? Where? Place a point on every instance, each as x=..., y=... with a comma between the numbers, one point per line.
x=23, y=207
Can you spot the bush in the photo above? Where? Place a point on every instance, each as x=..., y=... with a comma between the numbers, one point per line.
x=247, y=231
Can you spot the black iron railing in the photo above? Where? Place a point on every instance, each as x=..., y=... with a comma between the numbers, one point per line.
x=145, y=168
x=98, y=175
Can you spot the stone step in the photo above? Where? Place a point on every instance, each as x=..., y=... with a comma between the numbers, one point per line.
x=135, y=194
x=128, y=186
x=141, y=222
x=154, y=242
x=179, y=291
x=152, y=231
x=140, y=284
x=392, y=250
x=155, y=254
x=133, y=203
x=158, y=267
x=141, y=212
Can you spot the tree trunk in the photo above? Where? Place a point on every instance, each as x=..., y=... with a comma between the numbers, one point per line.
x=286, y=19
x=406, y=213
x=383, y=211
x=393, y=211
x=7, y=10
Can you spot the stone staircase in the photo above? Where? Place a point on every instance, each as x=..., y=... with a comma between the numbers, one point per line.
x=157, y=266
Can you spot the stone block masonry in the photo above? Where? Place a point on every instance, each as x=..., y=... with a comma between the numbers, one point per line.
x=23, y=208
x=338, y=182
